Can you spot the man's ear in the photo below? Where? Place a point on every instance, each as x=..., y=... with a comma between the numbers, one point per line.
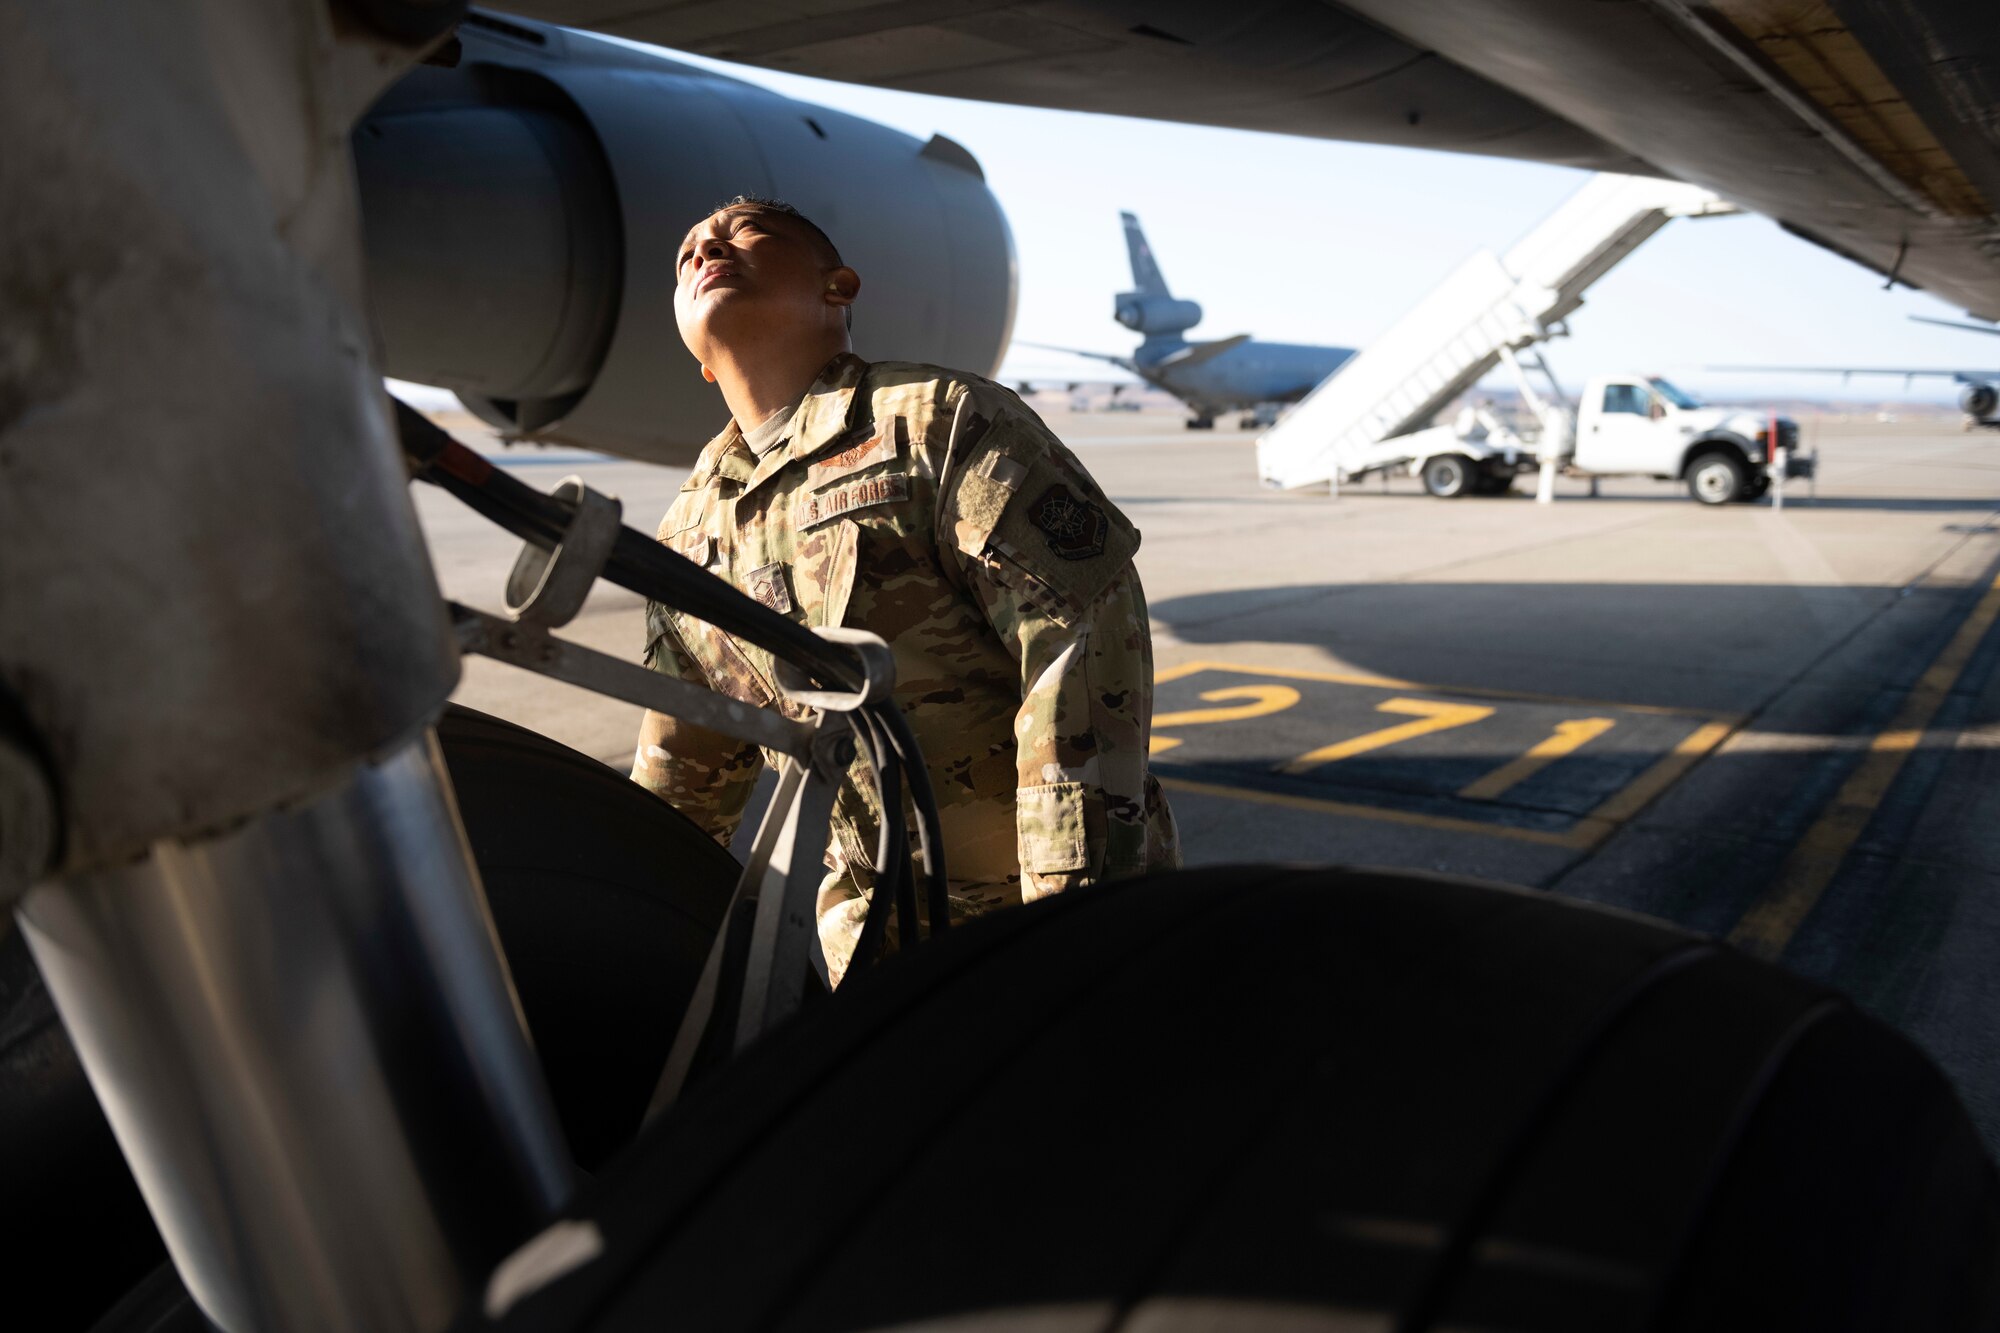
x=843, y=284
x=707, y=374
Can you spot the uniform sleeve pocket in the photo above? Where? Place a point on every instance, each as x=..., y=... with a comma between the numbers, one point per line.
x=1050, y=828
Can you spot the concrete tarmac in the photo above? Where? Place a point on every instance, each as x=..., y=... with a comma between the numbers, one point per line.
x=1778, y=727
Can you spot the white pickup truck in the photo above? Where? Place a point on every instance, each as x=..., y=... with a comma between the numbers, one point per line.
x=1626, y=426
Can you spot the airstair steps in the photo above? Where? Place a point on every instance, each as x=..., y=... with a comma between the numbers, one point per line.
x=1456, y=335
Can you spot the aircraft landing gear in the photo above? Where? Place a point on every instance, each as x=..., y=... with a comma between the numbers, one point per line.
x=1201, y=421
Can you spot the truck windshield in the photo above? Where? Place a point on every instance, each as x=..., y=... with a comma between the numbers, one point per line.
x=1671, y=394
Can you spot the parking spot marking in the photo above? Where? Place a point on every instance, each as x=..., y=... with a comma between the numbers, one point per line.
x=1267, y=699
x=1568, y=738
x=1515, y=765
x=1431, y=717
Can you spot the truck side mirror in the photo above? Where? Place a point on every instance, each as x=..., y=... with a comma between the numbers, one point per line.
x=1656, y=409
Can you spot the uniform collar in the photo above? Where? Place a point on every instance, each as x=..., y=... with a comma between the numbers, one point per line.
x=724, y=456
x=823, y=417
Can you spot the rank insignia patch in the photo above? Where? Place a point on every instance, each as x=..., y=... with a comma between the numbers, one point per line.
x=1073, y=528
x=767, y=585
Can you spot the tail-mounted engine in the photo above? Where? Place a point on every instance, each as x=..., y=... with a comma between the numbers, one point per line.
x=1153, y=315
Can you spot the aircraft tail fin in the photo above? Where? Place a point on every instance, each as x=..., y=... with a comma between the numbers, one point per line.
x=1146, y=277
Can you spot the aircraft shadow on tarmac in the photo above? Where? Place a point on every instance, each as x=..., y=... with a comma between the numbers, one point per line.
x=1668, y=749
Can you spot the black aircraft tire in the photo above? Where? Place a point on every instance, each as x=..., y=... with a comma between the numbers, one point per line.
x=1260, y=1098
x=78, y=1232
x=605, y=899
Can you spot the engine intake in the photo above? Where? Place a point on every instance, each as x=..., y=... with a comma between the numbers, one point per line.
x=523, y=212
x=1980, y=400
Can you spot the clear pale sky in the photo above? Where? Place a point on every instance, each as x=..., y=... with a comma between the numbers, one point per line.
x=1302, y=240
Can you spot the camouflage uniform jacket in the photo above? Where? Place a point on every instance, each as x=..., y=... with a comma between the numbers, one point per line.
x=937, y=511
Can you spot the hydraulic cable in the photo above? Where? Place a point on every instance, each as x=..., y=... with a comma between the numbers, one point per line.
x=892, y=884
x=930, y=832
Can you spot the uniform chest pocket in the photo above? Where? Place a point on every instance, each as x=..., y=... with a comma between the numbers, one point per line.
x=815, y=584
x=806, y=575
x=689, y=537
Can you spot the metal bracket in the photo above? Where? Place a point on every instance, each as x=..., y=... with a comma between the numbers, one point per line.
x=756, y=970
x=878, y=667
x=755, y=976
x=548, y=588
x=529, y=646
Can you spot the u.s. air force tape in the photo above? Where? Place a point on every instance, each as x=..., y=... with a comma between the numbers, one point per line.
x=822, y=506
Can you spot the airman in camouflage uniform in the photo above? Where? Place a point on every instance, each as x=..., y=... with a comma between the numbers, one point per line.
x=936, y=510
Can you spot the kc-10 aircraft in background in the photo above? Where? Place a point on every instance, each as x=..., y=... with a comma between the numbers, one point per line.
x=1210, y=377
x=1978, y=398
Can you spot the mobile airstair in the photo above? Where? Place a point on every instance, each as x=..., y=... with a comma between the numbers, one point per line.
x=1374, y=413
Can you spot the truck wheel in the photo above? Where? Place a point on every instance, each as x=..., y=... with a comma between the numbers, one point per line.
x=1716, y=479
x=1448, y=476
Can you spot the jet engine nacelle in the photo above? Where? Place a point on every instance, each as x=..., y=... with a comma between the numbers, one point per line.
x=1151, y=314
x=524, y=210
x=1980, y=401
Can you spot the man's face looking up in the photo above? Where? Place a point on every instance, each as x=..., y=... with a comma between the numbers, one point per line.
x=747, y=277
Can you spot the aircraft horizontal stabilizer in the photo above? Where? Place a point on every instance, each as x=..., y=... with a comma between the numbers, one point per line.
x=1124, y=361
x=1196, y=353
x=1957, y=324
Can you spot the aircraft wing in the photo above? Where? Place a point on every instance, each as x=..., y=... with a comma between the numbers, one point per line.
x=1123, y=362
x=1861, y=125
x=1957, y=324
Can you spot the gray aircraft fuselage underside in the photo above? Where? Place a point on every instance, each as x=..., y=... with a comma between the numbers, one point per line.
x=1868, y=130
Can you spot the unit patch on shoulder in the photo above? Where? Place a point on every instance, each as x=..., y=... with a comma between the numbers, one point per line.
x=1074, y=528
x=822, y=506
